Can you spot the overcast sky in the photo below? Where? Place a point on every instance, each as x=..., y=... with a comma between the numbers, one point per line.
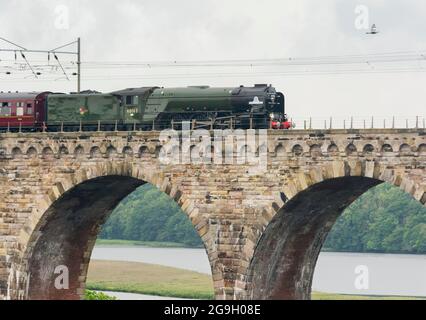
x=171, y=30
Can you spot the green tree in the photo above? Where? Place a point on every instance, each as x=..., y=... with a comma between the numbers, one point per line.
x=150, y=215
x=384, y=219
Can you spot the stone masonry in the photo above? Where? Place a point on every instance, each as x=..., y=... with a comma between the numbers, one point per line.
x=262, y=233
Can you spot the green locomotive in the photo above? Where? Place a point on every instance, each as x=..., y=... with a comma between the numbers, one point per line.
x=157, y=108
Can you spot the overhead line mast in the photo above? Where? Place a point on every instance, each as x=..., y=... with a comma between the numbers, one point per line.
x=78, y=64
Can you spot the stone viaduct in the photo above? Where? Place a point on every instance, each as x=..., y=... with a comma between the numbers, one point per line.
x=262, y=233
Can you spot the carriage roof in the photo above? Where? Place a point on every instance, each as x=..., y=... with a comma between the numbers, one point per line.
x=19, y=95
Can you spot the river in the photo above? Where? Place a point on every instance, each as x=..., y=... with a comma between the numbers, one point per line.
x=347, y=273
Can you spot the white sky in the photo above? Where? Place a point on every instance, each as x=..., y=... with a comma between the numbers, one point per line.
x=167, y=30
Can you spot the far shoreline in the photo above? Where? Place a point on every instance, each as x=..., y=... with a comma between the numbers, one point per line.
x=146, y=244
x=177, y=245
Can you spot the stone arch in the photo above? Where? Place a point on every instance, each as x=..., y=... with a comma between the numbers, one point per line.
x=98, y=190
x=95, y=152
x=262, y=150
x=315, y=151
x=387, y=148
x=292, y=259
x=47, y=153
x=16, y=152
x=244, y=151
x=351, y=150
x=143, y=151
x=280, y=150
x=297, y=150
x=78, y=151
x=63, y=151
x=31, y=152
x=283, y=267
x=333, y=150
x=405, y=149
x=368, y=149
x=111, y=151
x=3, y=152
x=127, y=151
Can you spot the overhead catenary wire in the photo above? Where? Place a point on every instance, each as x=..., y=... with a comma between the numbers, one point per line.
x=363, y=64
x=225, y=75
x=57, y=59
x=12, y=43
x=29, y=65
x=302, y=61
x=344, y=59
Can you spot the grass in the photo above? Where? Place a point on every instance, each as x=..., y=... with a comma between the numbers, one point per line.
x=149, y=279
x=93, y=295
x=149, y=244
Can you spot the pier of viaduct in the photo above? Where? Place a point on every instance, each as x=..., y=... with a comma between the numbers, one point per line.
x=262, y=233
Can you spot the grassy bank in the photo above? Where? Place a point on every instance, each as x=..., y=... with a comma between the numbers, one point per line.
x=148, y=279
x=149, y=244
x=134, y=277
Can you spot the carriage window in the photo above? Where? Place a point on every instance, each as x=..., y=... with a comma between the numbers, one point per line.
x=20, y=111
x=5, y=110
x=29, y=109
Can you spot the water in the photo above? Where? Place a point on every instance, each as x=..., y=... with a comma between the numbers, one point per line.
x=386, y=274
x=189, y=259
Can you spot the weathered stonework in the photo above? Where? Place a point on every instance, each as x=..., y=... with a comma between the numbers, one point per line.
x=262, y=233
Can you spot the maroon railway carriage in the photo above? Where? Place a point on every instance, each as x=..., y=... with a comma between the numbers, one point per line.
x=22, y=110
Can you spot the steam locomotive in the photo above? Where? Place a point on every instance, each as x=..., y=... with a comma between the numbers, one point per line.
x=146, y=108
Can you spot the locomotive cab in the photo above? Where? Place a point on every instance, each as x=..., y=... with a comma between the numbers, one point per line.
x=133, y=103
